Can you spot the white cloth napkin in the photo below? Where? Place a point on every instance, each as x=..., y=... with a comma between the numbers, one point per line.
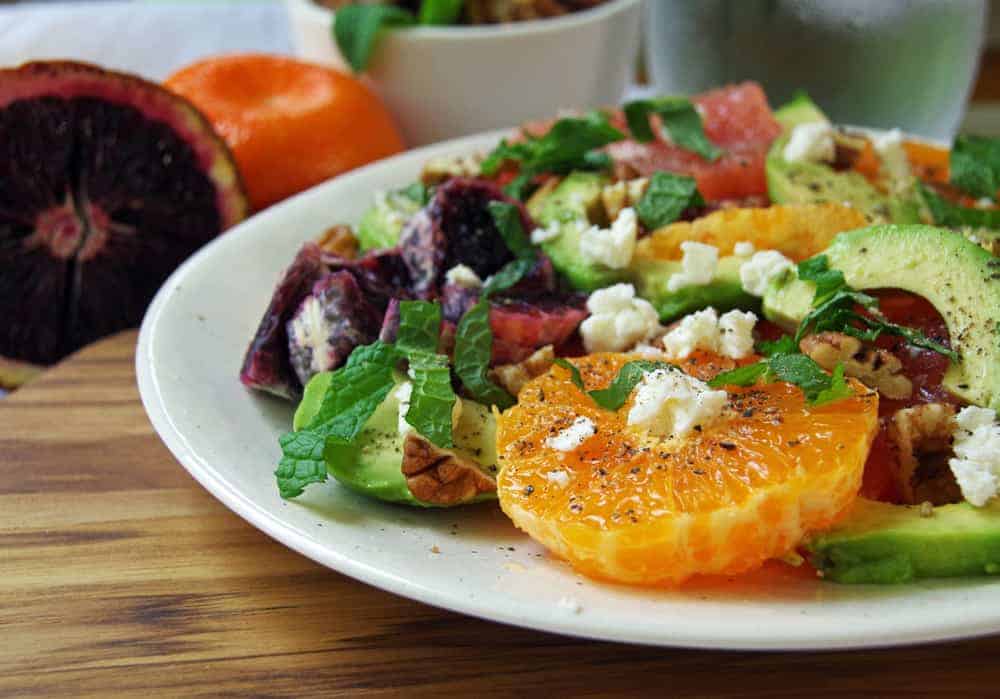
x=152, y=39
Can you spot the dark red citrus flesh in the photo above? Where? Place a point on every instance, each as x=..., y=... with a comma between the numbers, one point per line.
x=107, y=183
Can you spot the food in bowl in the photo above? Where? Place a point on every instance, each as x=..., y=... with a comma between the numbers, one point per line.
x=676, y=339
x=481, y=11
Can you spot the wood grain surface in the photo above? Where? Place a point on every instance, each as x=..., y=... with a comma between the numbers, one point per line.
x=119, y=575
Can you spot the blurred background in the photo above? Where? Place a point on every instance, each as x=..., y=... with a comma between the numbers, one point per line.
x=907, y=63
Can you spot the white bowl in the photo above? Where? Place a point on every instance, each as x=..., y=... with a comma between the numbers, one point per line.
x=442, y=82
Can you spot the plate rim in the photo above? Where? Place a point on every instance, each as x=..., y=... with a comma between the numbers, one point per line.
x=325, y=554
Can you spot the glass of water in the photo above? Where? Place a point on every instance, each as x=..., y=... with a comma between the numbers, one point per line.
x=884, y=63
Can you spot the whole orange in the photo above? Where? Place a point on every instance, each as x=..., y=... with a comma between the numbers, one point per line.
x=289, y=124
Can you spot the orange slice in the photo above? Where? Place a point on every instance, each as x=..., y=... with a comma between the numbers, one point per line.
x=630, y=507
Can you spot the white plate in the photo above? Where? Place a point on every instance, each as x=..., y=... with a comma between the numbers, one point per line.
x=470, y=560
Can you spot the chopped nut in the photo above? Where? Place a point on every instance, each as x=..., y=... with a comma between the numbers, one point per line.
x=441, y=477
x=439, y=169
x=513, y=377
x=617, y=196
x=926, y=509
x=921, y=437
x=876, y=368
x=339, y=240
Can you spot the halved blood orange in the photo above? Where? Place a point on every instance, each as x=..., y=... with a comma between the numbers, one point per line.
x=630, y=507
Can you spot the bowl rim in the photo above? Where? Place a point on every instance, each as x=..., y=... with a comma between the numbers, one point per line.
x=568, y=22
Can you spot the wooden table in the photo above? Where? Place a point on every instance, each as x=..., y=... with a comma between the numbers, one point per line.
x=120, y=575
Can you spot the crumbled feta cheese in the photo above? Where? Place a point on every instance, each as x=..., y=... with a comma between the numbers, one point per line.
x=889, y=146
x=698, y=266
x=618, y=320
x=573, y=436
x=649, y=351
x=560, y=478
x=570, y=604
x=730, y=335
x=402, y=394
x=393, y=217
x=744, y=248
x=985, y=203
x=550, y=232
x=612, y=247
x=698, y=330
x=463, y=276
x=757, y=272
x=736, y=333
x=669, y=402
x=310, y=328
x=977, y=454
x=812, y=142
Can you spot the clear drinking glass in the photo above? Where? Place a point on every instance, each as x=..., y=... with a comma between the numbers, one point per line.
x=882, y=63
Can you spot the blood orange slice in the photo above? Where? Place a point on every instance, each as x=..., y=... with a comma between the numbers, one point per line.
x=630, y=507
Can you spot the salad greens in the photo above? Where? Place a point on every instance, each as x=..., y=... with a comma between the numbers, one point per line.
x=665, y=199
x=616, y=394
x=975, y=165
x=357, y=28
x=680, y=120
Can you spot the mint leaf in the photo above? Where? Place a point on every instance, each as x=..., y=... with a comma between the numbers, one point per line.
x=974, y=164
x=568, y=145
x=838, y=388
x=419, y=326
x=802, y=371
x=784, y=344
x=302, y=462
x=614, y=396
x=356, y=29
x=740, y=376
x=833, y=313
x=473, y=347
x=817, y=270
x=680, y=120
x=432, y=399
x=574, y=373
x=945, y=213
x=416, y=192
x=509, y=275
x=665, y=199
x=440, y=11
x=507, y=218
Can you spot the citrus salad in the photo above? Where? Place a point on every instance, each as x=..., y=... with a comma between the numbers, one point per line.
x=679, y=338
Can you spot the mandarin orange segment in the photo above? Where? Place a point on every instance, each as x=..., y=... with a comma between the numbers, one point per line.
x=637, y=509
x=796, y=230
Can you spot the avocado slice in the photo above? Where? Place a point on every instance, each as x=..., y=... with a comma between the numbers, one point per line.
x=382, y=223
x=725, y=292
x=372, y=466
x=887, y=544
x=958, y=277
x=575, y=200
x=816, y=183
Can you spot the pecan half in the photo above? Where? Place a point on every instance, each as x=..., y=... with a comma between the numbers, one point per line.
x=513, y=376
x=443, y=168
x=339, y=240
x=617, y=196
x=921, y=437
x=876, y=368
x=441, y=477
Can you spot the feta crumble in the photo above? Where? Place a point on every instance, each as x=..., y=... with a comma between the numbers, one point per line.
x=736, y=334
x=560, y=478
x=698, y=266
x=612, y=247
x=730, y=335
x=744, y=248
x=618, y=320
x=573, y=436
x=669, y=402
x=393, y=217
x=977, y=454
x=463, y=276
x=812, y=142
x=543, y=235
x=757, y=272
x=889, y=147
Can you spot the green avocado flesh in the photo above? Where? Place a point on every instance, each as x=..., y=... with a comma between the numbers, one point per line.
x=575, y=199
x=723, y=293
x=817, y=183
x=383, y=222
x=959, y=278
x=888, y=544
x=372, y=465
